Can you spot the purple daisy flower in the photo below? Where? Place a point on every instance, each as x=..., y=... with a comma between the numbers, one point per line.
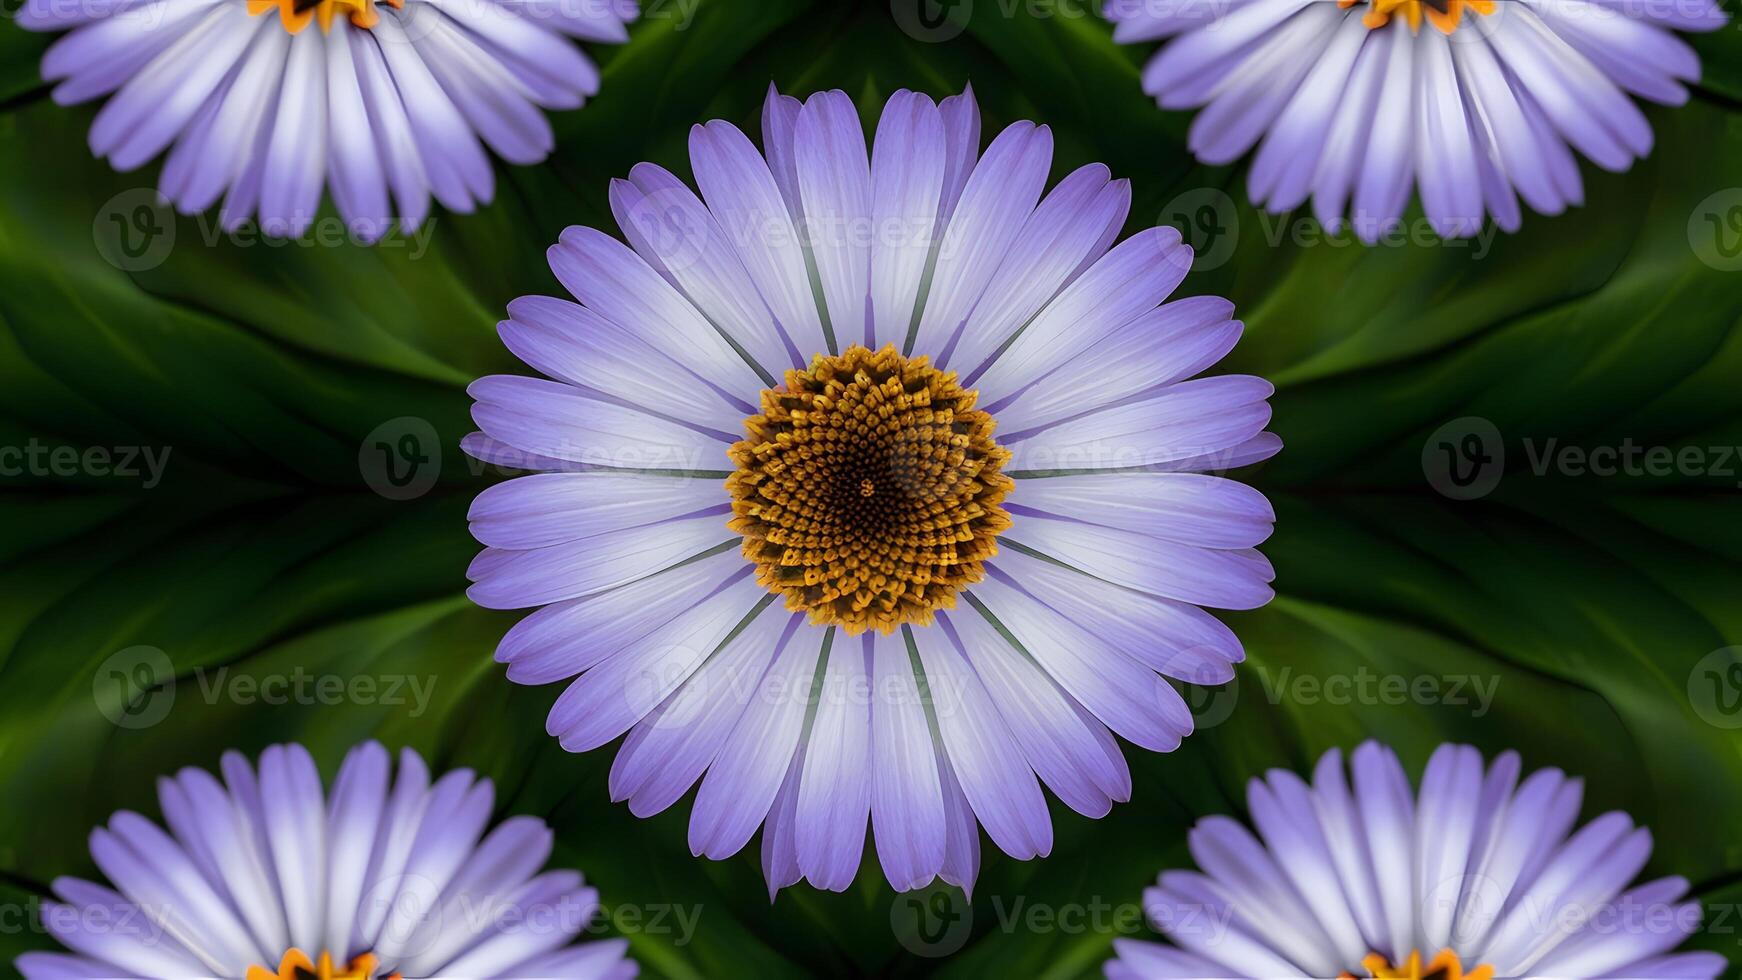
x=1477, y=103
x=393, y=876
x=1480, y=876
x=874, y=490
x=261, y=103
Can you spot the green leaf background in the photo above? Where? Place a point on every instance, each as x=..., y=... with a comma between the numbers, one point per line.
x=1590, y=604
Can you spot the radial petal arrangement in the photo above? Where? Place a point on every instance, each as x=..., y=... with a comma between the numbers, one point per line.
x=874, y=490
x=261, y=104
x=1484, y=873
x=262, y=874
x=1360, y=104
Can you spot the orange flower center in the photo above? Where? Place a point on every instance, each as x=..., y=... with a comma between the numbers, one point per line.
x=1445, y=966
x=1443, y=14
x=297, y=966
x=296, y=15
x=867, y=491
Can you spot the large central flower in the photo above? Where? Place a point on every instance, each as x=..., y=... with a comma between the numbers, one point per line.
x=787, y=383
x=868, y=489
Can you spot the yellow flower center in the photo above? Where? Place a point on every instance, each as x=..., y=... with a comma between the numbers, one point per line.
x=296, y=15
x=297, y=966
x=1445, y=966
x=867, y=491
x=1443, y=14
